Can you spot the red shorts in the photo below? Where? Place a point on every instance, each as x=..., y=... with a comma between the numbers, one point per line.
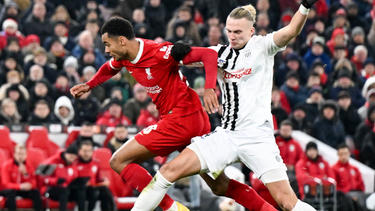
x=174, y=132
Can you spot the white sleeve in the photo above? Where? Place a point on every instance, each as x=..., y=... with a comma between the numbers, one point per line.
x=215, y=48
x=271, y=46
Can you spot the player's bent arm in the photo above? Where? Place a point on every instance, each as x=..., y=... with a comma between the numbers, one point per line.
x=285, y=34
x=209, y=59
x=104, y=73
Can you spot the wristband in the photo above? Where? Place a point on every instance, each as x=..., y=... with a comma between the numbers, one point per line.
x=303, y=10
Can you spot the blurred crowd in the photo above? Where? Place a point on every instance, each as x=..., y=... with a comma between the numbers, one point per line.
x=324, y=81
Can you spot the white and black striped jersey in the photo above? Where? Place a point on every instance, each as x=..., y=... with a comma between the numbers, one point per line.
x=245, y=78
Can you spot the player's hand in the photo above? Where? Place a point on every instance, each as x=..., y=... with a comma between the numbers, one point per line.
x=78, y=90
x=211, y=104
x=308, y=3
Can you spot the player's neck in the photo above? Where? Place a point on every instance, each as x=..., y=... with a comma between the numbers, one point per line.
x=133, y=49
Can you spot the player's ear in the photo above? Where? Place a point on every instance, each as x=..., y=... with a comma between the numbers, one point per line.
x=122, y=40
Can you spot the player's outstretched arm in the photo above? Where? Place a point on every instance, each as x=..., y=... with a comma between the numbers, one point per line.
x=285, y=34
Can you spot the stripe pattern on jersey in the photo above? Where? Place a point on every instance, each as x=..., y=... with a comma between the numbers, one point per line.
x=231, y=106
x=228, y=57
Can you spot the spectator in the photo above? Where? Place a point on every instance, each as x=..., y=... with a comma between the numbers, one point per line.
x=10, y=29
x=64, y=110
x=17, y=176
x=279, y=106
x=214, y=37
x=355, y=20
x=134, y=106
x=313, y=103
x=347, y=113
x=8, y=113
x=141, y=28
x=312, y=169
x=86, y=109
x=62, y=85
x=20, y=95
x=156, y=15
x=36, y=73
x=58, y=183
x=32, y=42
x=40, y=58
x=93, y=27
x=61, y=32
x=337, y=38
x=42, y=90
x=41, y=114
x=37, y=23
x=148, y=116
x=86, y=43
x=293, y=90
x=299, y=119
x=184, y=17
x=367, y=150
x=317, y=53
x=71, y=69
x=328, y=127
x=56, y=54
x=86, y=133
x=290, y=150
x=119, y=81
x=345, y=83
x=97, y=186
x=113, y=116
x=10, y=10
x=62, y=15
x=293, y=65
x=366, y=126
x=360, y=56
x=349, y=180
x=357, y=38
x=368, y=69
x=87, y=73
x=120, y=137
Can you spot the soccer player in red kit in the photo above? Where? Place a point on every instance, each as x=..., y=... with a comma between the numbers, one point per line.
x=155, y=66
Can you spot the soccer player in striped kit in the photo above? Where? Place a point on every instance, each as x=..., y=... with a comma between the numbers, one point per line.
x=245, y=77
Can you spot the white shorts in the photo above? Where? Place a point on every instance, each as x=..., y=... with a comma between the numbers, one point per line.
x=255, y=147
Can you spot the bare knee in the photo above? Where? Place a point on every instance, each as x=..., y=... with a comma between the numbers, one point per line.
x=117, y=164
x=285, y=200
x=170, y=172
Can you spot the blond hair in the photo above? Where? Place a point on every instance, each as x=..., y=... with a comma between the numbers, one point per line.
x=247, y=11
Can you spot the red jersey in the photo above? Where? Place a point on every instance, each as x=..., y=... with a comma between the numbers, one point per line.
x=156, y=70
x=11, y=177
x=146, y=119
x=90, y=169
x=63, y=170
x=290, y=151
x=348, y=177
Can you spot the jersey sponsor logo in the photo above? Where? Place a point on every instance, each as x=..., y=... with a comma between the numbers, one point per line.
x=148, y=72
x=168, y=52
x=154, y=89
x=321, y=165
x=238, y=74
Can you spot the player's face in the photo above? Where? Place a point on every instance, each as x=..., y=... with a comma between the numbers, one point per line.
x=239, y=31
x=115, y=46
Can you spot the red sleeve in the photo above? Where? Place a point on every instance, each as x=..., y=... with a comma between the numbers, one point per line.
x=6, y=170
x=360, y=184
x=209, y=59
x=104, y=73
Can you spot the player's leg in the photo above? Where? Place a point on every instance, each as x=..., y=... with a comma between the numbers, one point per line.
x=185, y=164
x=262, y=155
x=124, y=160
x=283, y=193
x=191, y=161
x=241, y=193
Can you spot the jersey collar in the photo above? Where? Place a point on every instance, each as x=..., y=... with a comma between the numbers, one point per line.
x=139, y=54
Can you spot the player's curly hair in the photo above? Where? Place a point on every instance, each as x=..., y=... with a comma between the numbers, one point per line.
x=117, y=26
x=247, y=11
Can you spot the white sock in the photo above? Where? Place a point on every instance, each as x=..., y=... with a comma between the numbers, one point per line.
x=303, y=206
x=152, y=194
